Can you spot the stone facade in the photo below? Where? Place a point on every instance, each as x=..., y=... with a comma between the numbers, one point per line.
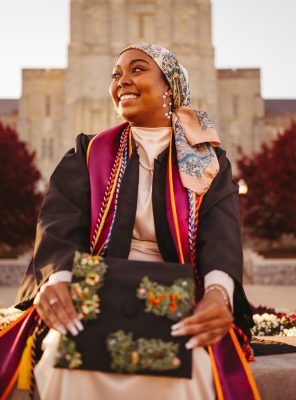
x=269, y=271
x=57, y=104
x=12, y=271
x=100, y=29
x=278, y=115
x=9, y=112
x=241, y=111
x=41, y=115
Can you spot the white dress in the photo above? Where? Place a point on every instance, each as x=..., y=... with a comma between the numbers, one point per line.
x=63, y=384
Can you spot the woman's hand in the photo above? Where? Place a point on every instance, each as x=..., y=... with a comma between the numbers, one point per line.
x=210, y=322
x=55, y=307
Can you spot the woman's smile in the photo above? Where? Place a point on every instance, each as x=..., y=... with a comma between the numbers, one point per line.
x=128, y=98
x=125, y=97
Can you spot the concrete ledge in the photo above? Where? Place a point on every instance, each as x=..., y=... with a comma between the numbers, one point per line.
x=266, y=271
x=275, y=376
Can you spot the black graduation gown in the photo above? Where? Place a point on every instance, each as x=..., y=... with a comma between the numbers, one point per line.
x=64, y=224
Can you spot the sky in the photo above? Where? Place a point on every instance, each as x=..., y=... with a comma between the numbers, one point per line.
x=246, y=33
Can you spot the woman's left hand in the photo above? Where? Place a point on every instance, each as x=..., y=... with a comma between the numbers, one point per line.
x=210, y=322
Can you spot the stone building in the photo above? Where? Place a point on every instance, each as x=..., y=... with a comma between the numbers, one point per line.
x=9, y=112
x=58, y=104
x=278, y=115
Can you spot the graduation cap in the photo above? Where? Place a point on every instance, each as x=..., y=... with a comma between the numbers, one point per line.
x=127, y=308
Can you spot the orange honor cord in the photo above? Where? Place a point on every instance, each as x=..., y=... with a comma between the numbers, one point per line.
x=101, y=248
x=245, y=365
x=88, y=149
x=215, y=375
x=200, y=201
x=173, y=204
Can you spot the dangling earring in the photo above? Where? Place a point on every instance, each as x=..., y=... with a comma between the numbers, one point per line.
x=169, y=113
x=164, y=99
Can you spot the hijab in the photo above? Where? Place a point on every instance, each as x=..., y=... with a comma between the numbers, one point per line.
x=194, y=133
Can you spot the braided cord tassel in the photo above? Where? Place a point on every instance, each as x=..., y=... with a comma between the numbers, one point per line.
x=108, y=196
x=246, y=348
x=194, y=204
x=192, y=225
x=121, y=173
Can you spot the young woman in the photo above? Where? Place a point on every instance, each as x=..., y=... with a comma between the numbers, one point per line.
x=172, y=198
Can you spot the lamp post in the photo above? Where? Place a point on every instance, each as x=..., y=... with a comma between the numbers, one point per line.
x=243, y=190
x=243, y=187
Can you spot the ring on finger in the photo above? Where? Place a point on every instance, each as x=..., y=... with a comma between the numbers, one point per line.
x=53, y=301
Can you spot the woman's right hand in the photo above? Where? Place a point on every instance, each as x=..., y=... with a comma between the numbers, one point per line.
x=55, y=307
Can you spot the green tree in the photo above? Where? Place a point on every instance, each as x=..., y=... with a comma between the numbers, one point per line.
x=269, y=205
x=19, y=197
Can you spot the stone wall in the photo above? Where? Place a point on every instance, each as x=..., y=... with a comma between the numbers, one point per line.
x=9, y=119
x=267, y=271
x=58, y=104
x=41, y=115
x=9, y=110
x=241, y=110
x=101, y=29
x=12, y=271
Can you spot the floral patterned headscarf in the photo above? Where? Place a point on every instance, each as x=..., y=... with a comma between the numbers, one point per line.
x=194, y=132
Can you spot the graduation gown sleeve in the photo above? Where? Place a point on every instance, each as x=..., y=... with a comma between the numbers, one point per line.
x=219, y=236
x=63, y=223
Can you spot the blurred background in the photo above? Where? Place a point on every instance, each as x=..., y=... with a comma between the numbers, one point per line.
x=56, y=62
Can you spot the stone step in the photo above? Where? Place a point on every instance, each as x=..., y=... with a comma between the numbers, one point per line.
x=275, y=376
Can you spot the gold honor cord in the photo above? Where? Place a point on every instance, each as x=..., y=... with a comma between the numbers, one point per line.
x=110, y=192
x=130, y=150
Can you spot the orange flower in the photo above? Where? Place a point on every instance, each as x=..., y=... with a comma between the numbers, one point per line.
x=151, y=296
x=155, y=300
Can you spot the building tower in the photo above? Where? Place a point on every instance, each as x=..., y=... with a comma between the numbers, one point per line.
x=101, y=28
x=58, y=104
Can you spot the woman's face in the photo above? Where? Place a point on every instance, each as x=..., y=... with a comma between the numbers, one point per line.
x=137, y=90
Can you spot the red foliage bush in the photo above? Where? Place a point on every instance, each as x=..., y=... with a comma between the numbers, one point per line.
x=270, y=204
x=19, y=198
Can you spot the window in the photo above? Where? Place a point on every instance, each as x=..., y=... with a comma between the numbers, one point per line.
x=47, y=148
x=141, y=26
x=50, y=148
x=145, y=28
x=47, y=106
x=235, y=103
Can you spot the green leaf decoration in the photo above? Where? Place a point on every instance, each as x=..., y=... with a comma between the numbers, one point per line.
x=67, y=356
x=174, y=302
x=131, y=356
x=90, y=271
x=84, y=293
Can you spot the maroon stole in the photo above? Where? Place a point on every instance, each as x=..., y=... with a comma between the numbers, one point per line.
x=13, y=340
x=106, y=158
